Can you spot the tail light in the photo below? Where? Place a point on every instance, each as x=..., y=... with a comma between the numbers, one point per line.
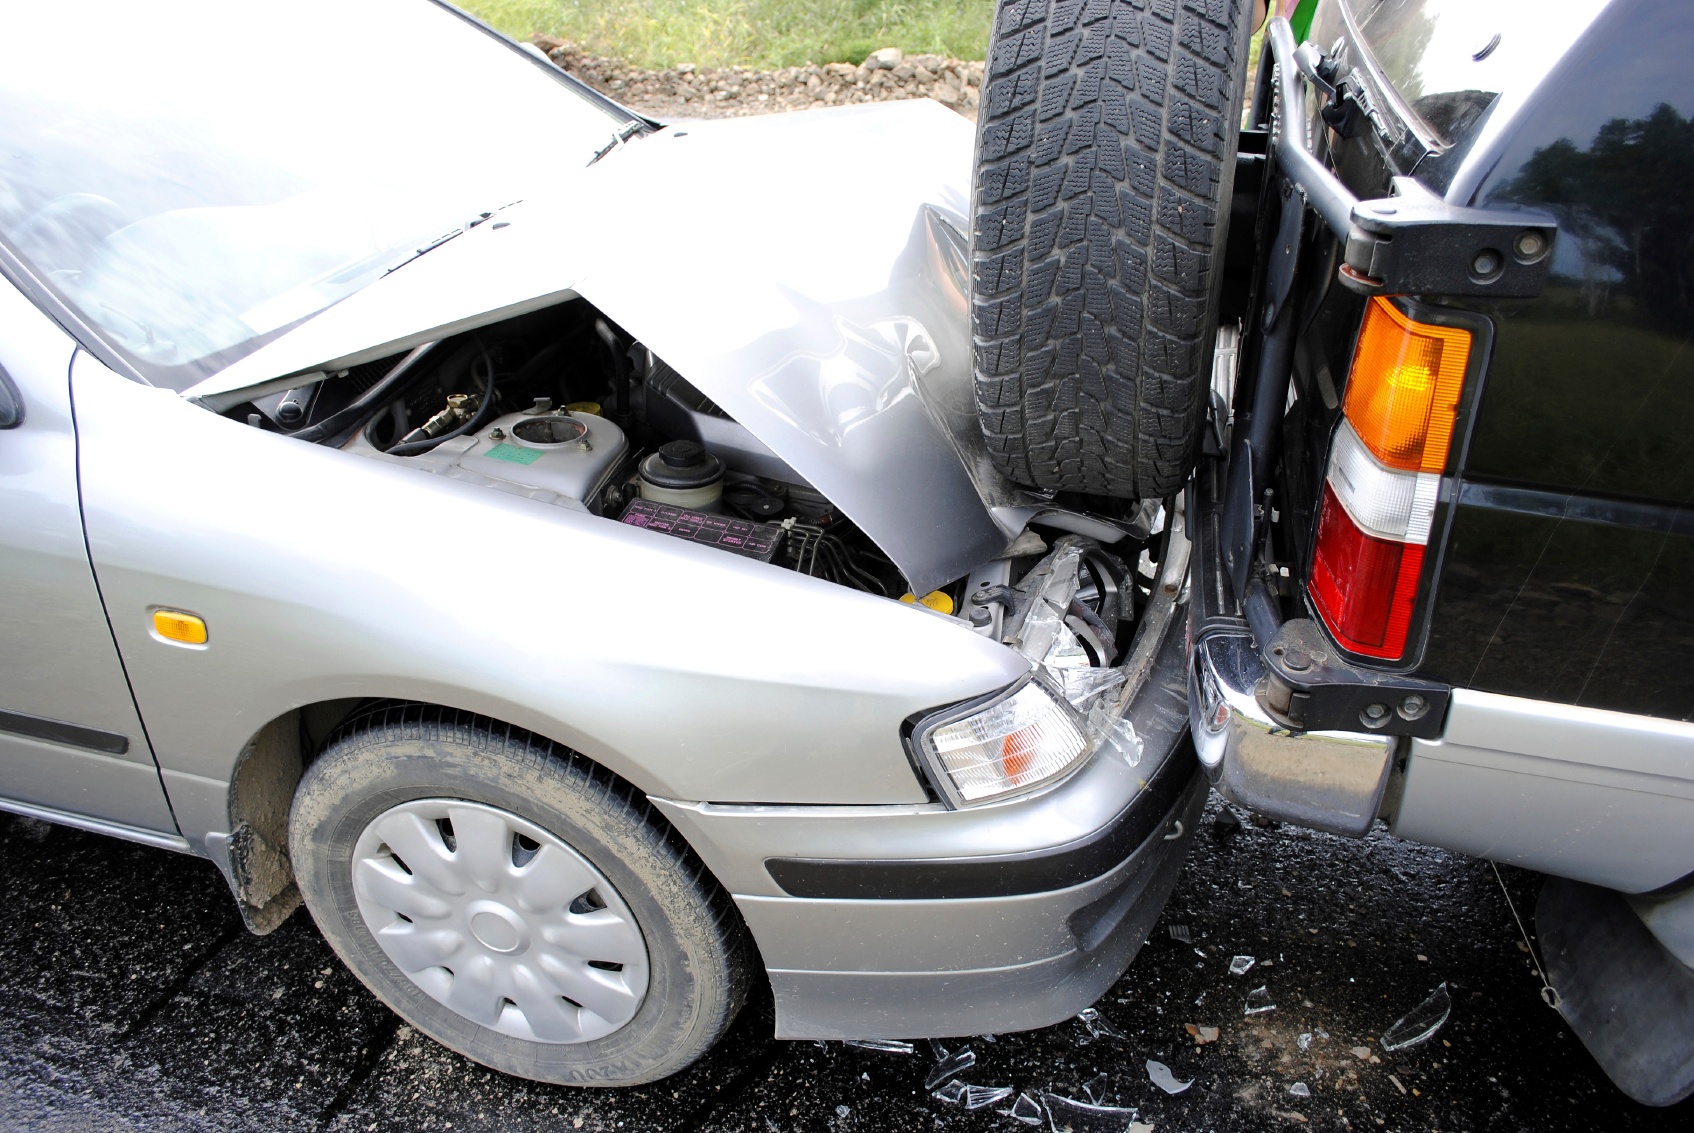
x=1384, y=475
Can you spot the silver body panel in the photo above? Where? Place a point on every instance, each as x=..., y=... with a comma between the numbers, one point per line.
x=822, y=304
x=1601, y=797
x=961, y=965
x=324, y=575
x=57, y=659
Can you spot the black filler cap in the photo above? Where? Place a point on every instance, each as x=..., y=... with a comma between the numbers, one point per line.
x=683, y=465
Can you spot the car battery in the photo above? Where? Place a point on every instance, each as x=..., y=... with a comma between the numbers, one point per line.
x=751, y=540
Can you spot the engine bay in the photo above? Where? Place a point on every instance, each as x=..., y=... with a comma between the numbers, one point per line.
x=563, y=407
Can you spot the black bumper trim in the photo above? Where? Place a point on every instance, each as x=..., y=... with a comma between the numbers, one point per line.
x=1009, y=875
x=62, y=732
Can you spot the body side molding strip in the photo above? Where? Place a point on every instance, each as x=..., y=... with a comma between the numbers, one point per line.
x=63, y=732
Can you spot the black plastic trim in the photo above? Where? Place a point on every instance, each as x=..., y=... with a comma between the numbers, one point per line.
x=1667, y=519
x=1008, y=875
x=63, y=732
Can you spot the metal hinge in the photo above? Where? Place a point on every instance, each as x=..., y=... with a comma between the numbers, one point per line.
x=1411, y=243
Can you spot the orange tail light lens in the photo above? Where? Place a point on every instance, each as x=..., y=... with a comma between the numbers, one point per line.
x=1403, y=391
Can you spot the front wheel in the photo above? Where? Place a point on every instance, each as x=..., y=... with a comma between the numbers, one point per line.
x=1105, y=163
x=513, y=901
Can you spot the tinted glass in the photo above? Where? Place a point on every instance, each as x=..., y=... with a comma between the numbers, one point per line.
x=1448, y=59
x=195, y=176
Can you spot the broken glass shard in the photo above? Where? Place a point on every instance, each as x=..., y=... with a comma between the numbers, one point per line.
x=1097, y=1026
x=953, y=1091
x=1305, y=1040
x=891, y=1046
x=1239, y=965
x=1164, y=1079
x=1259, y=1001
x=842, y=1111
x=1026, y=1109
x=1300, y=1090
x=1421, y=1023
x=981, y=1097
x=1071, y=1116
x=956, y=1063
x=1095, y=1088
x=937, y=1049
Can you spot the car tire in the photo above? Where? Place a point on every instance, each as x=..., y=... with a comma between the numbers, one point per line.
x=1105, y=161
x=505, y=960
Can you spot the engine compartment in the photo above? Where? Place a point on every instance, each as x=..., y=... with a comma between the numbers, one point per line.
x=563, y=407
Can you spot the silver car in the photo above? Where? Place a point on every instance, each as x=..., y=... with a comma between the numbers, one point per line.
x=557, y=548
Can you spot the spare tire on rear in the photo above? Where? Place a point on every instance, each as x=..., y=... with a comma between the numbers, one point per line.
x=1105, y=159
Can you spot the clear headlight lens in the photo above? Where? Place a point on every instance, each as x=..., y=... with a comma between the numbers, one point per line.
x=1011, y=745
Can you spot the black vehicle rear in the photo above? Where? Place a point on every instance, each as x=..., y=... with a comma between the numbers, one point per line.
x=1445, y=513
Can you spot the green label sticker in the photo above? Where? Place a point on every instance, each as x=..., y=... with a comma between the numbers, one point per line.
x=513, y=453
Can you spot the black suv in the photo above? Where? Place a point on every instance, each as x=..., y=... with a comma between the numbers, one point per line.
x=1409, y=352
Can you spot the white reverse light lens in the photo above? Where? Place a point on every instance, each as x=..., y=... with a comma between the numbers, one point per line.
x=1384, y=502
x=1010, y=745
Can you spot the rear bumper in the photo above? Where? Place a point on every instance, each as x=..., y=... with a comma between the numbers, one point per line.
x=905, y=921
x=1328, y=780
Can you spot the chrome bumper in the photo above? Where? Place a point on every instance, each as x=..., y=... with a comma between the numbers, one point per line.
x=1331, y=781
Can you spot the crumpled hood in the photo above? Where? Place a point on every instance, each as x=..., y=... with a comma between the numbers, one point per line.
x=808, y=272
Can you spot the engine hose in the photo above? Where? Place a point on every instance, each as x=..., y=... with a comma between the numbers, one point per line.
x=483, y=412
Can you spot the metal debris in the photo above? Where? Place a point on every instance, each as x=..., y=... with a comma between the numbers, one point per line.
x=950, y=1066
x=1164, y=1079
x=1239, y=965
x=890, y=1046
x=1421, y=1023
x=1259, y=1001
x=1181, y=932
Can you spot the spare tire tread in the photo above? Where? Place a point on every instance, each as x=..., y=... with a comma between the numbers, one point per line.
x=1101, y=135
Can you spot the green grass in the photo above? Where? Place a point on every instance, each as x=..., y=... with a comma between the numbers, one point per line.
x=755, y=33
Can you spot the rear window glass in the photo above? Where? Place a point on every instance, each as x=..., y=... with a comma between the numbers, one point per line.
x=1448, y=59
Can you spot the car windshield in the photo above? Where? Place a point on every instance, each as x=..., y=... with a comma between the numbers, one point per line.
x=194, y=177
x=1448, y=59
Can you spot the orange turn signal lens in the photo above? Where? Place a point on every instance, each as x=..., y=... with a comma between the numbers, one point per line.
x=1403, y=391
x=174, y=625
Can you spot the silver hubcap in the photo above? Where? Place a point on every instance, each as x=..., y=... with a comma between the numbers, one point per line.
x=500, y=921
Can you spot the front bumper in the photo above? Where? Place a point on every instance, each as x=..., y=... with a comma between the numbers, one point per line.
x=903, y=921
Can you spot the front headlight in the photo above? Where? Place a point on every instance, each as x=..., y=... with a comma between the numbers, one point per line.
x=1025, y=737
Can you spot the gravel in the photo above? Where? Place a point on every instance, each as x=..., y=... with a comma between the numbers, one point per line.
x=687, y=91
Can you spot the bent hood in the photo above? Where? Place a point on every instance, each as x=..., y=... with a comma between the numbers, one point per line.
x=808, y=272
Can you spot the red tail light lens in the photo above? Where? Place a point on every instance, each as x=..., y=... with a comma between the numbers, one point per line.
x=1364, y=587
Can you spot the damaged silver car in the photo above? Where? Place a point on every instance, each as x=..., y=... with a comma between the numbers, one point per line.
x=560, y=549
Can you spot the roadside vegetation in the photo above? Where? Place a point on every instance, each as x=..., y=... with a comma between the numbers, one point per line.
x=655, y=34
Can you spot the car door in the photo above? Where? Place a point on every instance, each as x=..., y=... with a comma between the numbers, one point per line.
x=71, y=743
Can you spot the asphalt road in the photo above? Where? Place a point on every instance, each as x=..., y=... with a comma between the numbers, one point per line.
x=131, y=998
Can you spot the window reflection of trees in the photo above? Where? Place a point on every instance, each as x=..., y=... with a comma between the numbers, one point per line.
x=1625, y=198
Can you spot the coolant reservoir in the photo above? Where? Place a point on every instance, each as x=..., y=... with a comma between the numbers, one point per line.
x=568, y=453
